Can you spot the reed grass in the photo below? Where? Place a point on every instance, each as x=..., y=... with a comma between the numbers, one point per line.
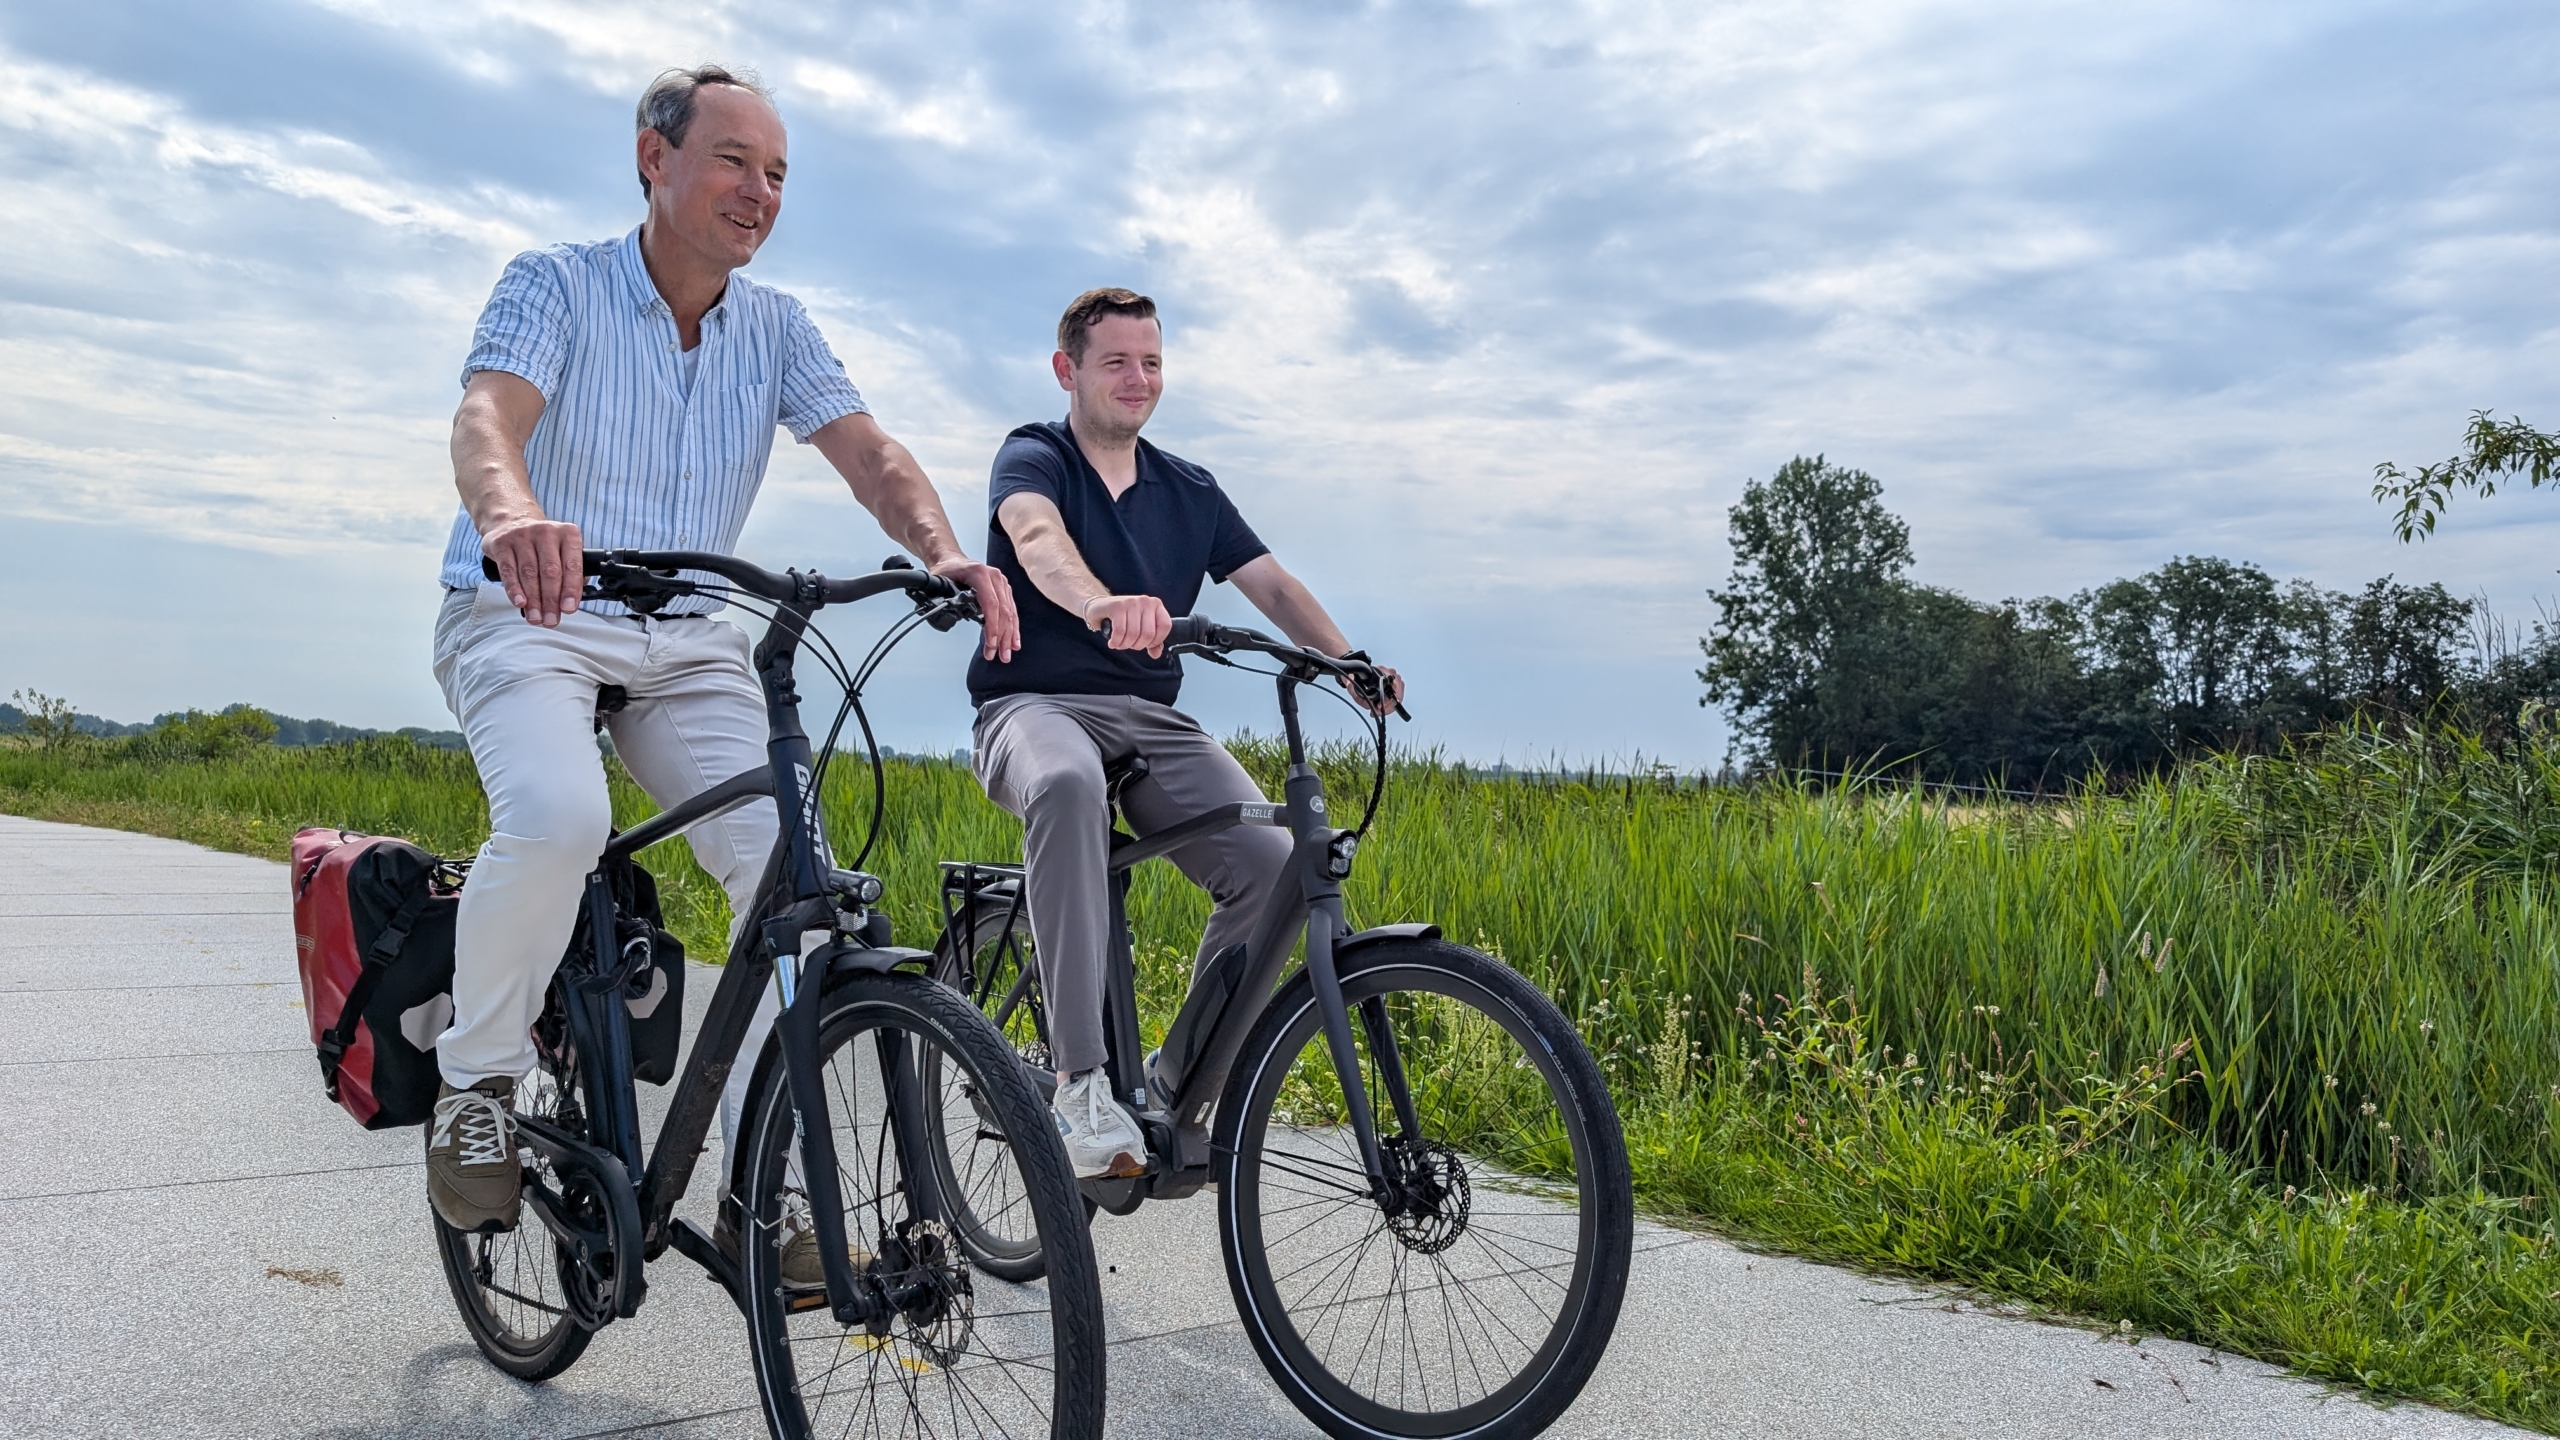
x=2260, y=1053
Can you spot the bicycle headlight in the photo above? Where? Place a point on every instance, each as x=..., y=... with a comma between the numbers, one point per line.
x=1337, y=855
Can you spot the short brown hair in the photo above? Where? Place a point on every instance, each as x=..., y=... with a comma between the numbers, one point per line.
x=1075, y=328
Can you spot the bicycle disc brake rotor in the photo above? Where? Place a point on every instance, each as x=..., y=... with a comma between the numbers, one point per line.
x=1431, y=1179
x=925, y=1278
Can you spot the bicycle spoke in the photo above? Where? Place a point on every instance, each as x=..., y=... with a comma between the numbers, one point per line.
x=982, y=1359
x=1442, y=1296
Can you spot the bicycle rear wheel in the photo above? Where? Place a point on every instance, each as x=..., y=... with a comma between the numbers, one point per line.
x=986, y=955
x=513, y=1288
x=1480, y=1304
x=964, y=1355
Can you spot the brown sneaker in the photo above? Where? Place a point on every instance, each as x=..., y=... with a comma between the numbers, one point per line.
x=473, y=1176
x=801, y=1269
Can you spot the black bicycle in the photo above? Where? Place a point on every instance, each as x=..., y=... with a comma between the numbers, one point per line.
x=1422, y=1186
x=843, y=1120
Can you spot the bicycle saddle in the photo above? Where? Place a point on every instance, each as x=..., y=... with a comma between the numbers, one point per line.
x=1118, y=775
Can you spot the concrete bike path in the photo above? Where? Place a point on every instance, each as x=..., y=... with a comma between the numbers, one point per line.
x=194, y=1242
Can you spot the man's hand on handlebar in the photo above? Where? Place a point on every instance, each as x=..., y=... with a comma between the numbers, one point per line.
x=1130, y=622
x=1002, y=633
x=1386, y=697
x=538, y=562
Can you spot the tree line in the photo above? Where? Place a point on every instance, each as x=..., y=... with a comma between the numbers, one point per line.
x=1827, y=657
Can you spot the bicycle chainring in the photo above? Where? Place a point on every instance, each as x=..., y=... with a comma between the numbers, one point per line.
x=587, y=1282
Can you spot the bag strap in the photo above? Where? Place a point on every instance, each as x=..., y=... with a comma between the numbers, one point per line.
x=377, y=963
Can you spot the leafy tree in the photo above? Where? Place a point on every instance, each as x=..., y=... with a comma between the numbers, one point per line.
x=2493, y=451
x=204, y=735
x=1827, y=658
x=2402, y=645
x=1818, y=563
x=48, y=719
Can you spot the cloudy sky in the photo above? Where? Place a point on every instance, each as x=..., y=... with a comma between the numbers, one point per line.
x=1485, y=312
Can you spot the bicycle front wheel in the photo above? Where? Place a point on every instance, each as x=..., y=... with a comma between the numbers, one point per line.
x=964, y=1353
x=1479, y=1300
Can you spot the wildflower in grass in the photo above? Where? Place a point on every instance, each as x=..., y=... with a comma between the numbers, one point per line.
x=2330, y=1082
x=2426, y=1027
x=2368, y=1107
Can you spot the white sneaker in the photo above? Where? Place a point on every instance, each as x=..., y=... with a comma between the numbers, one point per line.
x=1101, y=1136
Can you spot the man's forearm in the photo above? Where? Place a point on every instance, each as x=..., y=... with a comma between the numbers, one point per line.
x=490, y=473
x=886, y=479
x=1290, y=605
x=1059, y=573
x=907, y=507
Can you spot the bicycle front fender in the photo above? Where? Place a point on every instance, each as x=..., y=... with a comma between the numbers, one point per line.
x=1410, y=930
x=846, y=958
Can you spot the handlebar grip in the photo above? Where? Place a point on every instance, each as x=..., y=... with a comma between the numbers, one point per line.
x=1189, y=630
x=589, y=561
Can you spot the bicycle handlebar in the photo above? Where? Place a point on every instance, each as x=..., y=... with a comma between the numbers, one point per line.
x=653, y=571
x=1205, y=636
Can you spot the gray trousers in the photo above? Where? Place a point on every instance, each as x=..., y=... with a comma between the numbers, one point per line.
x=1041, y=757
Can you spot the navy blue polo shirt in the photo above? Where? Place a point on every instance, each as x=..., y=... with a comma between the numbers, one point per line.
x=1162, y=537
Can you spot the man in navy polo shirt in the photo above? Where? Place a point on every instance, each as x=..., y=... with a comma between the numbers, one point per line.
x=1090, y=524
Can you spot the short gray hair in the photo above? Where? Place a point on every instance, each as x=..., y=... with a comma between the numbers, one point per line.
x=667, y=105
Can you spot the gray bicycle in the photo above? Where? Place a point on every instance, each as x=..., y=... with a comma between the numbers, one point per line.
x=848, y=1101
x=1422, y=1186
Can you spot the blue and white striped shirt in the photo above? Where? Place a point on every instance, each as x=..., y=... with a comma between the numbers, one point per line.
x=626, y=450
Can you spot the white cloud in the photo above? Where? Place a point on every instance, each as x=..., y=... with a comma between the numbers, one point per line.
x=1489, y=308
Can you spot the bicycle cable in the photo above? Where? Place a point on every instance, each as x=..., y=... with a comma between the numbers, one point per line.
x=850, y=679
x=1369, y=719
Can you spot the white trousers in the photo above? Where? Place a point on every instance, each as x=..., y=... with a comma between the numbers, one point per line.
x=526, y=697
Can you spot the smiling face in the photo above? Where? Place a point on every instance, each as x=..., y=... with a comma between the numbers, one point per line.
x=1119, y=380
x=717, y=196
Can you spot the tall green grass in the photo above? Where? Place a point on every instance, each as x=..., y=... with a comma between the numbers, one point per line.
x=2358, y=941
x=2260, y=1053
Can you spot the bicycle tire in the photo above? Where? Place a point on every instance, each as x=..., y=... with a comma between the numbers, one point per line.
x=1469, y=1032
x=499, y=1316
x=994, y=1333
x=973, y=959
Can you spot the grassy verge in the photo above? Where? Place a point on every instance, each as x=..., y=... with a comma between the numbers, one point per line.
x=2259, y=1057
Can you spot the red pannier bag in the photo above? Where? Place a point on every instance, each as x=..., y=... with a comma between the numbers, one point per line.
x=373, y=925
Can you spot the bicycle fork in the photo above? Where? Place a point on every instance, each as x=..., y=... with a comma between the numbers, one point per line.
x=853, y=1296
x=1326, y=927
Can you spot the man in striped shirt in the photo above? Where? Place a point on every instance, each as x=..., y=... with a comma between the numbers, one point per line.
x=624, y=394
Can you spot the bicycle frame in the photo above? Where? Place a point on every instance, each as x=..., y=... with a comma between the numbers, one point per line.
x=793, y=900
x=1206, y=1036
